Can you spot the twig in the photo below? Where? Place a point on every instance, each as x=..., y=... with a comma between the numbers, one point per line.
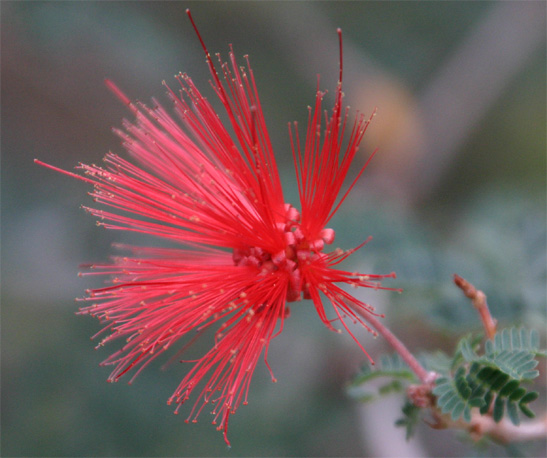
x=480, y=426
x=503, y=432
x=478, y=299
x=399, y=347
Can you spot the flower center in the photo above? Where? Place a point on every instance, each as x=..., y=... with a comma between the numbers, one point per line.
x=299, y=250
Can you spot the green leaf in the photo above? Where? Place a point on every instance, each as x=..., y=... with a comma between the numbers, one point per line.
x=530, y=375
x=525, y=400
x=529, y=397
x=390, y=370
x=463, y=387
x=526, y=411
x=466, y=350
x=451, y=400
x=437, y=361
x=495, y=377
x=517, y=394
x=476, y=402
x=489, y=348
x=411, y=417
x=488, y=397
x=514, y=339
x=388, y=366
x=395, y=386
x=513, y=412
x=526, y=366
x=499, y=405
x=467, y=414
x=487, y=373
x=441, y=389
x=447, y=397
x=457, y=410
x=509, y=388
x=499, y=379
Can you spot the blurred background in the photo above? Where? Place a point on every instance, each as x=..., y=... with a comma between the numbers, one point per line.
x=458, y=185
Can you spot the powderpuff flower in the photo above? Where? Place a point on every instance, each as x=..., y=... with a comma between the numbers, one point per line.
x=240, y=253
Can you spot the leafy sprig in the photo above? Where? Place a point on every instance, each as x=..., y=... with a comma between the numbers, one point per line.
x=473, y=390
x=391, y=374
x=491, y=381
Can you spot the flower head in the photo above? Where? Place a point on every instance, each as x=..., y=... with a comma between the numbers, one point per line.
x=243, y=253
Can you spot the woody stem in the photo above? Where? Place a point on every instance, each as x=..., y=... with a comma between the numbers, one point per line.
x=478, y=299
x=397, y=345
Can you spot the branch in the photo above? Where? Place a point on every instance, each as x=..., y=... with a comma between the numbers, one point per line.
x=478, y=299
x=503, y=432
x=426, y=377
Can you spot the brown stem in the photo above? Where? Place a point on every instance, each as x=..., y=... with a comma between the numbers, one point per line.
x=478, y=299
x=397, y=345
x=506, y=432
x=503, y=432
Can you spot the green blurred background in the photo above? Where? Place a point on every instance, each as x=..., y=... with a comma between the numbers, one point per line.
x=458, y=186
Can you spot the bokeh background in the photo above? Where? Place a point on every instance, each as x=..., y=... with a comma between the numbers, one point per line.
x=458, y=185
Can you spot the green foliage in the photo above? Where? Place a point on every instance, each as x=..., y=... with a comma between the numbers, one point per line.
x=492, y=381
x=390, y=367
x=411, y=416
x=391, y=375
x=514, y=339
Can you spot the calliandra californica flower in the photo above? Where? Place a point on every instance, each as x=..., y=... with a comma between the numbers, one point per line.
x=244, y=252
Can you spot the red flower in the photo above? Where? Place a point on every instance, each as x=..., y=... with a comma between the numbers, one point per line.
x=245, y=252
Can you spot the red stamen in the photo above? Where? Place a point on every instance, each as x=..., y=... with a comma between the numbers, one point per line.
x=216, y=190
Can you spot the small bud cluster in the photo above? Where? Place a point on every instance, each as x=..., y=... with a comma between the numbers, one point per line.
x=298, y=251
